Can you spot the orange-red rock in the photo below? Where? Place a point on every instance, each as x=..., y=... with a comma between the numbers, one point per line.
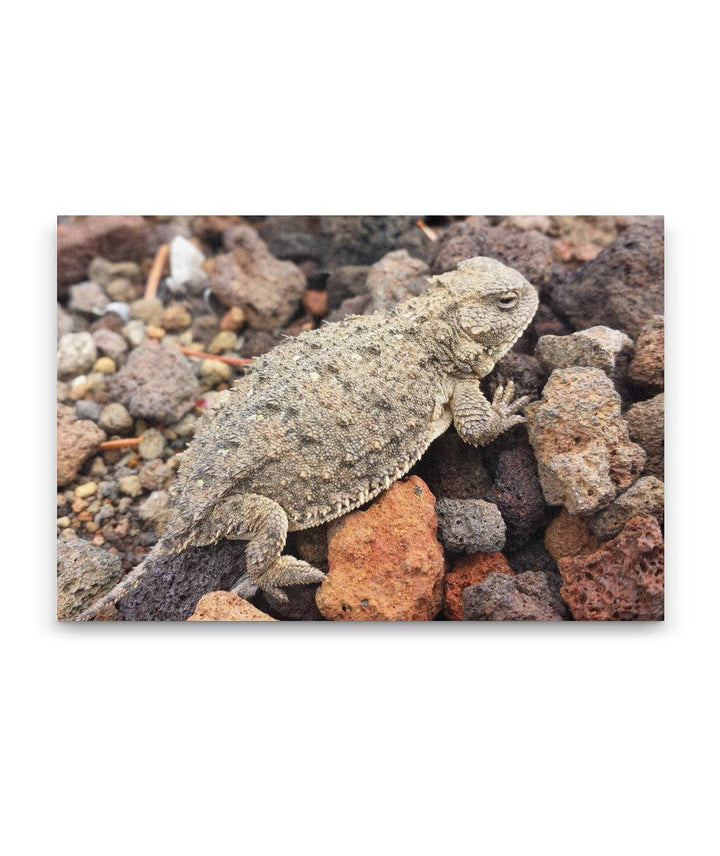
x=77, y=439
x=226, y=606
x=569, y=535
x=468, y=571
x=622, y=581
x=386, y=563
x=315, y=302
x=233, y=319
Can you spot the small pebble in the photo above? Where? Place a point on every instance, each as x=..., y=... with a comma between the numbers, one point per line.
x=120, y=308
x=130, y=485
x=155, y=332
x=175, y=317
x=233, y=319
x=152, y=444
x=87, y=489
x=115, y=419
x=215, y=372
x=88, y=409
x=63, y=522
x=134, y=332
x=105, y=365
x=225, y=340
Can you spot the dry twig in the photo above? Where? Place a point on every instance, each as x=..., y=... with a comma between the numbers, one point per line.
x=156, y=271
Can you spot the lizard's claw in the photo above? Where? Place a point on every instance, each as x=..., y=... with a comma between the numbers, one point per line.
x=509, y=411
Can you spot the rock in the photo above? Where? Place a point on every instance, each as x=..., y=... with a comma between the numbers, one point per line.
x=152, y=444
x=116, y=314
x=105, y=365
x=569, y=535
x=386, y=563
x=88, y=409
x=115, y=419
x=156, y=383
x=204, y=329
x=352, y=306
x=353, y=240
x=104, y=272
x=622, y=581
x=113, y=238
x=85, y=490
x=646, y=498
x=111, y=344
x=533, y=556
x=528, y=252
x=157, y=508
x=123, y=290
x=470, y=526
x=500, y=597
x=175, y=317
x=621, y=288
x=345, y=282
x=396, y=277
x=186, y=269
x=453, y=469
x=648, y=365
x=597, y=347
x=214, y=372
x=646, y=424
x=233, y=319
x=76, y=355
x=65, y=322
x=225, y=340
x=84, y=573
x=135, y=332
x=130, y=485
x=76, y=441
x=268, y=290
x=226, y=606
x=156, y=475
x=315, y=302
x=173, y=584
x=469, y=571
x=547, y=323
x=148, y=310
x=88, y=298
x=518, y=494
x=581, y=442
x=297, y=246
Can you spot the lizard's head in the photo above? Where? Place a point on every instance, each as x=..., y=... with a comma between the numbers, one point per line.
x=484, y=306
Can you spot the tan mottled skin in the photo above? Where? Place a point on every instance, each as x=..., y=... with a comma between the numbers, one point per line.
x=327, y=421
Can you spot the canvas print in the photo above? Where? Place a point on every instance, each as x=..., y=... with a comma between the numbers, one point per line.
x=360, y=418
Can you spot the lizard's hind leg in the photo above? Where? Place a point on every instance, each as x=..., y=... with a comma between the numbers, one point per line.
x=263, y=524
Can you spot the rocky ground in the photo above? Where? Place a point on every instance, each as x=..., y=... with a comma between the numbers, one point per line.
x=558, y=519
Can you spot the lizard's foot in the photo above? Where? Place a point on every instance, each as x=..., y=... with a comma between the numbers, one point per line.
x=506, y=409
x=285, y=571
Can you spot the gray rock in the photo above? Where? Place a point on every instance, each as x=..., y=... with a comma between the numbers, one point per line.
x=344, y=282
x=148, y=310
x=103, y=272
x=646, y=498
x=396, y=277
x=76, y=354
x=111, y=344
x=156, y=383
x=470, y=526
x=115, y=419
x=88, y=298
x=156, y=508
x=525, y=597
x=134, y=332
x=84, y=573
x=597, y=347
x=88, y=409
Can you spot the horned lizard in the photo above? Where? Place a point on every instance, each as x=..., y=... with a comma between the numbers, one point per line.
x=327, y=421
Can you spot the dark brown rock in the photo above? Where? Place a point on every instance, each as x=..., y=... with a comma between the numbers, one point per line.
x=525, y=597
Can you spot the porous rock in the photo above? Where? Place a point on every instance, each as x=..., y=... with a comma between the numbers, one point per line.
x=113, y=238
x=646, y=423
x=226, y=606
x=344, y=282
x=468, y=571
x=84, y=573
x=386, y=563
x=470, y=526
x=518, y=494
x=267, y=289
x=581, y=442
x=156, y=383
x=648, y=365
x=621, y=288
x=173, y=584
x=76, y=441
x=111, y=344
x=396, y=277
x=76, y=354
x=524, y=597
x=569, y=535
x=454, y=469
x=353, y=240
x=622, y=581
x=597, y=347
x=87, y=298
x=645, y=498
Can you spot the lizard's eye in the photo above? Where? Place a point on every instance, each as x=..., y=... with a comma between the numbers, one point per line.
x=507, y=301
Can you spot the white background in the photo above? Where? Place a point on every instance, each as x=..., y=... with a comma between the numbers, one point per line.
x=354, y=739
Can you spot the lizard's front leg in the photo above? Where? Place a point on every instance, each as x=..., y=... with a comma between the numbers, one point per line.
x=477, y=421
